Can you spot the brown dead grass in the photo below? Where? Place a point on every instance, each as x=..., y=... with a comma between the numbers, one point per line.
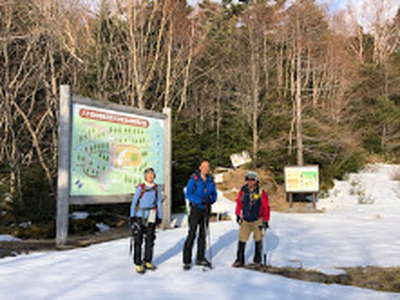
x=396, y=174
x=234, y=179
x=383, y=279
x=230, y=195
x=375, y=278
x=74, y=241
x=376, y=159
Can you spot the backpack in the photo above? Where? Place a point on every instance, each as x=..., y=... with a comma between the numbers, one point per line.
x=257, y=200
x=143, y=191
x=196, y=178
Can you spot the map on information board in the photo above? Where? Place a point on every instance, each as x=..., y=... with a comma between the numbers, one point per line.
x=111, y=149
x=302, y=179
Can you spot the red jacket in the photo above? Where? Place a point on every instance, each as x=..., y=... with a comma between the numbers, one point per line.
x=264, y=211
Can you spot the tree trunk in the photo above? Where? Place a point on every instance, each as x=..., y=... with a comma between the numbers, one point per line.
x=254, y=97
x=299, y=128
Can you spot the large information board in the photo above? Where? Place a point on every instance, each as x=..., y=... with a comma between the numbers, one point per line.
x=103, y=151
x=111, y=149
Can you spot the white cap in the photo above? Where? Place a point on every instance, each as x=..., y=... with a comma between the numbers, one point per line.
x=252, y=175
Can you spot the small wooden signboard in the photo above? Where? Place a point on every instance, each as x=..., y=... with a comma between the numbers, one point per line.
x=302, y=180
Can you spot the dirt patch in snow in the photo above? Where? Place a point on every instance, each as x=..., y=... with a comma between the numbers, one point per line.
x=396, y=174
x=375, y=278
x=15, y=248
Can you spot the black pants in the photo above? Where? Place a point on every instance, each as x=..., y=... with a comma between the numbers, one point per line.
x=198, y=218
x=148, y=234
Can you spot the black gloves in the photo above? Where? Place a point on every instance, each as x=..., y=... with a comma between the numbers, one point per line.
x=132, y=220
x=239, y=219
x=135, y=225
x=265, y=225
x=135, y=222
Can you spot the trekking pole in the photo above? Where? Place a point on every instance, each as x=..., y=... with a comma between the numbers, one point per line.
x=263, y=248
x=130, y=246
x=131, y=238
x=209, y=240
x=209, y=237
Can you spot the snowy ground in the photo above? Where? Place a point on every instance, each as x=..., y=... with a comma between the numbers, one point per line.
x=8, y=238
x=105, y=270
x=349, y=234
x=373, y=185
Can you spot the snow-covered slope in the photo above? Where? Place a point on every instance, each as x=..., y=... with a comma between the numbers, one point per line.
x=372, y=193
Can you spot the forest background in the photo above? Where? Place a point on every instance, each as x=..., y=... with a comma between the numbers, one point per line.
x=292, y=82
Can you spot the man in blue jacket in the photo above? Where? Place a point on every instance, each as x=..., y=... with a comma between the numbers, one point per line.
x=201, y=193
x=146, y=213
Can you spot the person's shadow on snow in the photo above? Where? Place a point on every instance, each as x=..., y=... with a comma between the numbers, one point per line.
x=224, y=241
x=171, y=252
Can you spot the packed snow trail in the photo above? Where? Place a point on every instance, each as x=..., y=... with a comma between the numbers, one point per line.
x=348, y=234
x=105, y=271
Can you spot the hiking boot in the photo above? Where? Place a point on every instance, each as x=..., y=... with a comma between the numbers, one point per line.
x=203, y=262
x=140, y=269
x=237, y=264
x=257, y=253
x=149, y=266
x=187, y=267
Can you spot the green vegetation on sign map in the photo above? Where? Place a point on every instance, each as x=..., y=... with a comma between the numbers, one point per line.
x=301, y=179
x=110, y=150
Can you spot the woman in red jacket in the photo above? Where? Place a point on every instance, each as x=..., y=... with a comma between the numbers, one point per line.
x=252, y=214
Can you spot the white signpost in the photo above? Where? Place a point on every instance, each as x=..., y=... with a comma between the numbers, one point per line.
x=239, y=159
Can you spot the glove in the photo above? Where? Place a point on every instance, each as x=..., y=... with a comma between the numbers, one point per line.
x=158, y=221
x=135, y=224
x=206, y=202
x=239, y=219
x=265, y=225
x=132, y=220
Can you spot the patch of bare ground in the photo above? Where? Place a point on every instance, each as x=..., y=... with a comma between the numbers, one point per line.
x=375, y=278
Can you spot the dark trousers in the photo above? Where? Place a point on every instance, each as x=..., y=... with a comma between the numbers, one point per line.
x=198, y=218
x=148, y=234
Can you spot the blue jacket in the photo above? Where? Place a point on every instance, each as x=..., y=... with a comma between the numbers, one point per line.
x=200, y=192
x=148, y=200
